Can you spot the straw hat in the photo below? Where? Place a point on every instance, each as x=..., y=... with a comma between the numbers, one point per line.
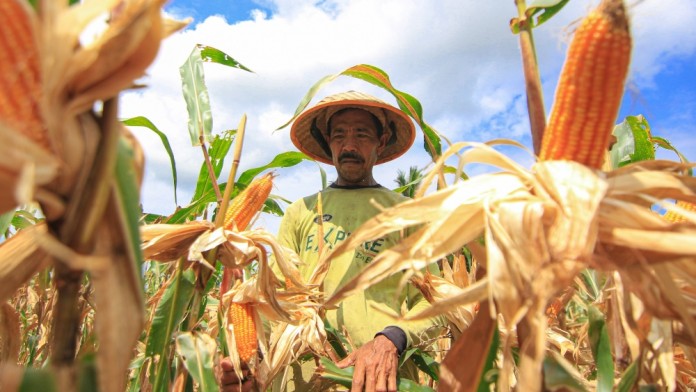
x=309, y=131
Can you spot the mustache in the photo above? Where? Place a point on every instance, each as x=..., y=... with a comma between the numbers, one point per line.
x=350, y=155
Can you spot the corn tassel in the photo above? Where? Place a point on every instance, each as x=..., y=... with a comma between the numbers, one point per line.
x=675, y=217
x=241, y=316
x=590, y=88
x=250, y=201
x=20, y=81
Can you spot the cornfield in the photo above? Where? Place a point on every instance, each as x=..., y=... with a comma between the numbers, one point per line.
x=574, y=274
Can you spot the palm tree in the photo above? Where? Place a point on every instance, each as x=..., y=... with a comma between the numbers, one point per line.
x=411, y=182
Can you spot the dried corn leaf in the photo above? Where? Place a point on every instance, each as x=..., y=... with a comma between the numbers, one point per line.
x=9, y=334
x=452, y=218
x=455, y=303
x=24, y=165
x=542, y=227
x=20, y=258
x=164, y=242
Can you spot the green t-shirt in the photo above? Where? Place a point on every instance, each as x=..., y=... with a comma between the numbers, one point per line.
x=344, y=210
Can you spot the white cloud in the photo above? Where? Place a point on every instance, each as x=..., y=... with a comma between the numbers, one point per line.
x=457, y=57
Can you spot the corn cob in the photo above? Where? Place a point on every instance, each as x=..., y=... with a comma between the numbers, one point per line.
x=20, y=82
x=240, y=212
x=241, y=317
x=243, y=207
x=590, y=88
x=675, y=217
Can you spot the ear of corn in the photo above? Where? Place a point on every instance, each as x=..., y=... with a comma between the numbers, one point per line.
x=249, y=202
x=590, y=88
x=240, y=212
x=20, y=82
x=241, y=316
x=675, y=217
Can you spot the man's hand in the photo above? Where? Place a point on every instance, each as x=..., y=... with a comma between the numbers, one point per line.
x=375, y=365
x=229, y=382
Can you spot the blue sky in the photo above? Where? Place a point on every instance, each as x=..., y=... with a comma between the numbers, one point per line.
x=457, y=57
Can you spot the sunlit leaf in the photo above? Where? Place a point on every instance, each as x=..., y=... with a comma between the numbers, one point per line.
x=5, y=221
x=284, y=159
x=664, y=143
x=218, y=150
x=538, y=12
x=200, y=121
x=633, y=142
x=213, y=55
x=141, y=121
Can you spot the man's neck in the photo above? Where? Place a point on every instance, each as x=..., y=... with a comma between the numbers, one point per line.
x=367, y=181
x=336, y=185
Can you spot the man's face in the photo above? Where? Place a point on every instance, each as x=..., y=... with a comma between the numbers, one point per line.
x=354, y=145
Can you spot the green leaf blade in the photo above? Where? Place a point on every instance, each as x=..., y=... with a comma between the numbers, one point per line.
x=197, y=351
x=213, y=55
x=169, y=314
x=601, y=350
x=141, y=121
x=200, y=123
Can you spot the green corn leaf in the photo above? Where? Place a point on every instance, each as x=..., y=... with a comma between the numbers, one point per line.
x=210, y=54
x=489, y=372
x=336, y=339
x=200, y=122
x=141, y=121
x=322, y=173
x=197, y=351
x=538, y=12
x=426, y=364
x=128, y=196
x=219, y=148
x=664, y=143
x=601, y=351
x=192, y=210
x=559, y=375
x=169, y=314
x=633, y=142
x=37, y=380
x=284, y=159
x=271, y=206
x=6, y=221
x=629, y=377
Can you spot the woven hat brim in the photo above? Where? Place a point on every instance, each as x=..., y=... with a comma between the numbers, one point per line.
x=302, y=139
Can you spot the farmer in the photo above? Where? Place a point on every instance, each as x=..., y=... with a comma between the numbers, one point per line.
x=353, y=132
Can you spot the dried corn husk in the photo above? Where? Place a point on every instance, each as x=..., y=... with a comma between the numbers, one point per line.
x=542, y=226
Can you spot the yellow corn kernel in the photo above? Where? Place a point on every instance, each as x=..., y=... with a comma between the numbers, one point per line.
x=241, y=316
x=248, y=202
x=590, y=88
x=675, y=217
x=20, y=81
